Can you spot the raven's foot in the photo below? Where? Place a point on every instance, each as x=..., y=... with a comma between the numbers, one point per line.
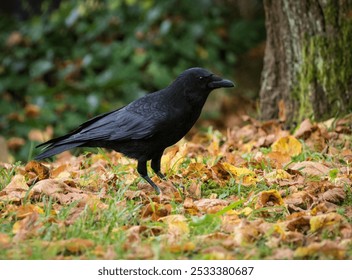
x=156, y=188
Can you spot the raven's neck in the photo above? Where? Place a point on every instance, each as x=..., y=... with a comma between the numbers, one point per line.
x=178, y=93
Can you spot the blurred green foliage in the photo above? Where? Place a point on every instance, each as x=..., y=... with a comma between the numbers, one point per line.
x=87, y=57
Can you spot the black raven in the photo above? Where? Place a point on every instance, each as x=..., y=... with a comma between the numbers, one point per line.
x=145, y=127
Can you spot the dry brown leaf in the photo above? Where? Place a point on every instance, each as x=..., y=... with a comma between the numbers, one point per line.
x=73, y=245
x=246, y=232
x=335, y=195
x=220, y=173
x=282, y=254
x=39, y=169
x=310, y=168
x=189, y=206
x=268, y=199
x=60, y=169
x=217, y=252
x=156, y=210
x=323, y=207
x=16, y=190
x=195, y=190
x=266, y=141
x=59, y=191
x=304, y=130
x=25, y=210
x=208, y=205
x=197, y=170
x=293, y=237
x=141, y=252
x=27, y=227
x=298, y=222
x=299, y=201
x=181, y=247
x=5, y=241
x=278, y=159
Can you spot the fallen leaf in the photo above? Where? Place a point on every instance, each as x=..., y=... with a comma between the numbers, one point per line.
x=16, y=190
x=177, y=225
x=278, y=159
x=5, y=241
x=323, y=250
x=181, y=247
x=73, y=245
x=156, y=210
x=304, y=130
x=335, y=195
x=59, y=191
x=39, y=169
x=246, y=232
x=27, y=227
x=299, y=201
x=287, y=145
x=195, y=190
x=298, y=222
x=27, y=209
x=208, y=205
x=277, y=175
x=324, y=221
x=268, y=199
x=217, y=252
x=242, y=175
x=310, y=168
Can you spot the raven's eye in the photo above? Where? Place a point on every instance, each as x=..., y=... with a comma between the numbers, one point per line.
x=200, y=78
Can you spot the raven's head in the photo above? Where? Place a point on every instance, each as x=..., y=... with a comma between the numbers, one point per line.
x=201, y=79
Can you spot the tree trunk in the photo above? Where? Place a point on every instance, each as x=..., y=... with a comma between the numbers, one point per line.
x=308, y=60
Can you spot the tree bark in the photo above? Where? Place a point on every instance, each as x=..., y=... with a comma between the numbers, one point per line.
x=308, y=60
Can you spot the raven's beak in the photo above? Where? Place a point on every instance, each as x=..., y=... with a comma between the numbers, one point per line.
x=218, y=82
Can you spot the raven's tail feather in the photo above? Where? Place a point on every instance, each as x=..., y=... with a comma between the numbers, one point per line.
x=56, y=149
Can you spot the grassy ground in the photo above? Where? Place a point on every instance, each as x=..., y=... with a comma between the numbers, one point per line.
x=257, y=192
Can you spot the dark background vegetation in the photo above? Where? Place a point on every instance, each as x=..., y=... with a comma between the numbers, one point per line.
x=62, y=62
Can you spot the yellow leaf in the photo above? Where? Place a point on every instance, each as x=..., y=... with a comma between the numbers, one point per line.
x=16, y=227
x=268, y=198
x=177, y=224
x=325, y=220
x=287, y=145
x=246, y=211
x=25, y=210
x=325, y=249
x=185, y=247
x=243, y=175
x=278, y=174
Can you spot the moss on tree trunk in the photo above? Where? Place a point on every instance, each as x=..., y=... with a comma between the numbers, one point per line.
x=308, y=60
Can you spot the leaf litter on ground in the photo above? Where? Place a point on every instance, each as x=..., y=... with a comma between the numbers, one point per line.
x=255, y=191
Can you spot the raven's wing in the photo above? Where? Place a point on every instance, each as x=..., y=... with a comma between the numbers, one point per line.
x=139, y=120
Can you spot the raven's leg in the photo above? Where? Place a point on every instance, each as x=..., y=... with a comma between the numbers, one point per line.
x=156, y=165
x=142, y=170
